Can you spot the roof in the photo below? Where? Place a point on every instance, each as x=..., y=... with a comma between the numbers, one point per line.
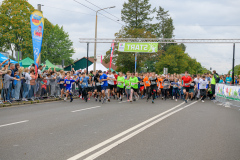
x=92, y=60
x=49, y=64
x=27, y=61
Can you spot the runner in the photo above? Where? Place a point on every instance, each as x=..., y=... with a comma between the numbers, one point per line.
x=197, y=80
x=90, y=86
x=110, y=88
x=84, y=85
x=115, y=84
x=154, y=83
x=61, y=84
x=175, y=86
x=203, y=88
x=68, y=84
x=192, y=88
x=166, y=87
x=128, y=87
x=134, y=87
x=104, y=85
x=120, y=86
x=186, y=84
x=141, y=84
x=98, y=89
x=160, y=85
x=147, y=86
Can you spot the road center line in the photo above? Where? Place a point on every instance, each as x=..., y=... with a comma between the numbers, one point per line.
x=4, y=125
x=120, y=134
x=106, y=149
x=85, y=109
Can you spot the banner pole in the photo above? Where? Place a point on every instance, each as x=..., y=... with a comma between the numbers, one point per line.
x=135, y=62
x=233, y=81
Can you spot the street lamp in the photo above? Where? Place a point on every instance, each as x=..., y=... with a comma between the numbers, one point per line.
x=95, y=45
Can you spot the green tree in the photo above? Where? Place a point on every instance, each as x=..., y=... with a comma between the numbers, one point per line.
x=57, y=46
x=136, y=13
x=15, y=30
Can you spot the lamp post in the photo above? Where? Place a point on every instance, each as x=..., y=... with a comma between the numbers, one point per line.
x=95, y=45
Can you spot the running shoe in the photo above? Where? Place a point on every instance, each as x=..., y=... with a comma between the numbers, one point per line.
x=65, y=98
x=203, y=101
x=108, y=99
x=162, y=98
x=142, y=97
x=99, y=100
x=185, y=101
x=96, y=99
x=152, y=101
x=89, y=98
x=71, y=100
x=176, y=100
x=128, y=100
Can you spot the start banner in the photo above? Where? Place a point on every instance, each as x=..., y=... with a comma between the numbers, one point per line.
x=137, y=47
x=228, y=92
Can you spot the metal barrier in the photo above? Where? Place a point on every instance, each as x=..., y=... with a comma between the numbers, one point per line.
x=39, y=89
x=228, y=95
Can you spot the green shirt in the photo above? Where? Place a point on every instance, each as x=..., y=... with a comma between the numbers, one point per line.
x=127, y=84
x=134, y=80
x=120, y=82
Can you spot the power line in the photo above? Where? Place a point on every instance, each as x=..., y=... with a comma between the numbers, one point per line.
x=209, y=25
x=103, y=10
x=69, y=10
x=95, y=11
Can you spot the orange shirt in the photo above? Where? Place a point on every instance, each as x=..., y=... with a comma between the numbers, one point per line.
x=146, y=82
x=160, y=80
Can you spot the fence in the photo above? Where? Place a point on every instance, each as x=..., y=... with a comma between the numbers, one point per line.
x=228, y=95
x=37, y=89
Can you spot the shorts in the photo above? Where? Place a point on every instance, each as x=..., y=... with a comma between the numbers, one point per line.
x=135, y=90
x=98, y=88
x=119, y=90
x=69, y=89
x=142, y=88
x=191, y=90
x=203, y=92
x=110, y=86
x=114, y=86
x=213, y=88
x=104, y=88
x=90, y=89
x=186, y=88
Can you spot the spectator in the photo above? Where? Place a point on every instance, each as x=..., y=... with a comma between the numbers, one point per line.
x=228, y=79
x=32, y=84
x=53, y=83
x=6, y=84
x=215, y=79
x=26, y=84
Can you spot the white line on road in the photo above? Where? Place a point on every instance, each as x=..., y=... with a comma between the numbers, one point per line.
x=120, y=134
x=86, y=109
x=13, y=123
x=106, y=149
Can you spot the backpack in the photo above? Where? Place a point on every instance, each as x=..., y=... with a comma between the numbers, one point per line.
x=217, y=78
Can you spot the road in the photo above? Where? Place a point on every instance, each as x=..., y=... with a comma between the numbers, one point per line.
x=165, y=130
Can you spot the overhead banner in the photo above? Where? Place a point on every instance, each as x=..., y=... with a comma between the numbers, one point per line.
x=37, y=24
x=138, y=47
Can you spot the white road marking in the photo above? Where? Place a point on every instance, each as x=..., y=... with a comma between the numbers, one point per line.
x=86, y=109
x=120, y=135
x=106, y=149
x=13, y=123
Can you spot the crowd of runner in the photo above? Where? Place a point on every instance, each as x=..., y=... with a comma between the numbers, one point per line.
x=104, y=86
x=20, y=83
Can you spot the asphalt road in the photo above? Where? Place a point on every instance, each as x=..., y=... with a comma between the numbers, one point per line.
x=165, y=130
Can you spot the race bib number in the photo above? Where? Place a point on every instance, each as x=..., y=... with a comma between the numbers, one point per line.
x=84, y=84
x=166, y=84
x=175, y=86
x=68, y=82
x=186, y=84
x=119, y=84
x=153, y=83
x=128, y=87
x=147, y=82
x=89, y=85
x=192, y=84
x=98, y=84
x=132, y=84
x=142, y=84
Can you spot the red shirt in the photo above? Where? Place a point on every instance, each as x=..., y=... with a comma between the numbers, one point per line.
x=187, y=81
x=115, y=82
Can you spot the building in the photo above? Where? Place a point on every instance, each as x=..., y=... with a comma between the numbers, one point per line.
x=82, y=63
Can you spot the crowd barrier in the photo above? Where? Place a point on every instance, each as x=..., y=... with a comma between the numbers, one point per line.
x=42, y=89
x=228, y=95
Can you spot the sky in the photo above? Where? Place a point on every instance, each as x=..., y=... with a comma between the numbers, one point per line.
x=192, y=19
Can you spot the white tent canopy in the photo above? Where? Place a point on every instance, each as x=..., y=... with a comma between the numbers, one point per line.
x=99, y=66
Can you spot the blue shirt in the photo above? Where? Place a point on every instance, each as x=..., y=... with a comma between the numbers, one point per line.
x=69, y=83
x=84, y=82
x=139, y=80
x=15, y=81
x=221, y=81
x=104, y=76
x=175, y=84
x=228, y=80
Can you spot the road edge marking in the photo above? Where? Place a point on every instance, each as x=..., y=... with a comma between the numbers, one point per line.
x=85, y=109
x=9, y=124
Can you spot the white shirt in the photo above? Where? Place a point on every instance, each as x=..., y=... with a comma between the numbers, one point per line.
x=111, y=82
x=27, y=77
x=203, y=84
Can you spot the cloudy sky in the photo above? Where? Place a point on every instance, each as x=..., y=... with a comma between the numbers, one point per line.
x=192, y=19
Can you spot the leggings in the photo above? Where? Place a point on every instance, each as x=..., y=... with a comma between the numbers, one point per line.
x=153, y=91
x=164, y=93
x=175, y=92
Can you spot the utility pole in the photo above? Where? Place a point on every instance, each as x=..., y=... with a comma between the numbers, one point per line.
x=233, y=81
x=39, y=9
